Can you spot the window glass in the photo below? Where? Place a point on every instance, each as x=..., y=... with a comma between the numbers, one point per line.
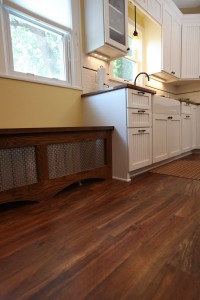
x=128, y=67
x=35, y=49
x=35, y=46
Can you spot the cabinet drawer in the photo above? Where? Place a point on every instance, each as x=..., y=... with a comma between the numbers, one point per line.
x=138, y=99
x=140, y=148
x=137, y=117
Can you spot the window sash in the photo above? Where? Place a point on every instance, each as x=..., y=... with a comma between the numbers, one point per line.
x=53, y=14
x=72, y=43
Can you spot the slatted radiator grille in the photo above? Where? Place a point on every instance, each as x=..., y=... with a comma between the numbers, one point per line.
x=70, y=158
x=17, y=167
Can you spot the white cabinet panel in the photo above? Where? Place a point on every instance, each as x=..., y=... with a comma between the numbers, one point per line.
x=191, y=50
x=131, y=147
x=186, y=108
x=171, y=46
x=155, y=9
x=138, y=117
x=194, y=126
x=140, y=148
x=186, y=134
x=174, y=136
x=138, y=99
x=106, y=27
x=166, y=136
x=142, y=3
x=160, y=141
x=198, y=126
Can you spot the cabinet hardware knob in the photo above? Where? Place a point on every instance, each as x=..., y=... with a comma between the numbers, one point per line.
x=141, y=93
x=141, y=130
x=141, y=111
x=128, y=49
x=173, y=72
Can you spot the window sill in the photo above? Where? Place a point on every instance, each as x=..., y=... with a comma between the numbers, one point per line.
x=46, y=82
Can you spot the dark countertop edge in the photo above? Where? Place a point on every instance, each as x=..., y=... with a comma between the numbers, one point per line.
x=10, y=131
x=181, y=100
x=118, y=87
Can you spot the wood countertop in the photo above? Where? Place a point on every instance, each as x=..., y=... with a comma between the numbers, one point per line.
x=19, y=131
x=122, y=86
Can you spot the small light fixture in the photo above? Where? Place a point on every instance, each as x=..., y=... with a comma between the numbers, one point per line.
x=99, y=56
x=135, y=33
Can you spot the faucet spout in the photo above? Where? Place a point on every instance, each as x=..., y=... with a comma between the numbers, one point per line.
x=139, y=75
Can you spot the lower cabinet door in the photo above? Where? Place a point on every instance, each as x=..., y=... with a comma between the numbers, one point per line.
x=186, y=131
x=174, y=136
x=160, y=139
x=140, y=148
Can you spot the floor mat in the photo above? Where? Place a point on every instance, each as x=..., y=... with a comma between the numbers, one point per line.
x=180, y=168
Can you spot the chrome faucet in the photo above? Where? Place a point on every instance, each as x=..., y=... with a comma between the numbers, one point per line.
x=139, y=75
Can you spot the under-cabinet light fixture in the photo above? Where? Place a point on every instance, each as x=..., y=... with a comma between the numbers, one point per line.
x=99, y=56
x=157, y=78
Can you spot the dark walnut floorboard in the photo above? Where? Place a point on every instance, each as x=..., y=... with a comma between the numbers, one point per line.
x=105, y=240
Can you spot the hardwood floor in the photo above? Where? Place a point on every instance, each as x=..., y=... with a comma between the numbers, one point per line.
x=105, y=240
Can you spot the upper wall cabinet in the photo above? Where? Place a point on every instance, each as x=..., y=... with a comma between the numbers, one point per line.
x=142, y=3
x=106, y=27
x=153, y=7
x=171, y=42
x=191, y=47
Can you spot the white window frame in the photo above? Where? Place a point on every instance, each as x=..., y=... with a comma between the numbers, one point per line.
x=72, y=49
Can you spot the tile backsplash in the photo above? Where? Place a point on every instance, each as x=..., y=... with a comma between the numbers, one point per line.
x=90, y=82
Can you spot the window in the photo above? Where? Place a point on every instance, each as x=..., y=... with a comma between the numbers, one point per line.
x=127, y=68
x=38, y=45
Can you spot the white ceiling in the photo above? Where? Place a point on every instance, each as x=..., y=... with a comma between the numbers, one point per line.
x=187, y=3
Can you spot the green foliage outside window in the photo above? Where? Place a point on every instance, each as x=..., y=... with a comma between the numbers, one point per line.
x=36, y=50
x=124, y=68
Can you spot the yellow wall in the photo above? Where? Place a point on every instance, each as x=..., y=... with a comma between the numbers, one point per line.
x=27, y=105
x=131, y=15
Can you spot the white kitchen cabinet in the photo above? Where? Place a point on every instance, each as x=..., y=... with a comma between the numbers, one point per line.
x=171, y=42
x=194, y=126
x=166, y=136
x=131, y=139
x=186, y=130
x=153, y=7
x=106, y=27
x=140, y=148
x=160, y=140
x=198, y=126
x=138, y=99
x=166, y=128
x=174, y=135
x=191, y=48
x=186, y=126
x=137, y=117
x=142, y=3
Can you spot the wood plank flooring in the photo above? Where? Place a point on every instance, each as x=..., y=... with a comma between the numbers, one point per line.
x=105, y=240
